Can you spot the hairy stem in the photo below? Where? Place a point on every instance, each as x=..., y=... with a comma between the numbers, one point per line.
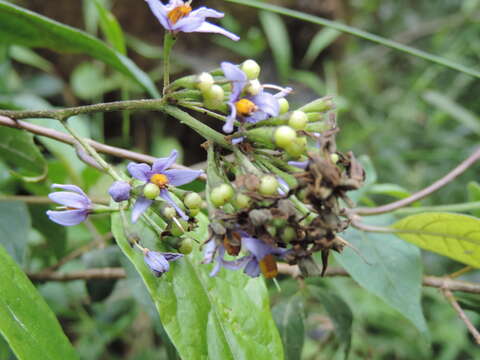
x=168, y=42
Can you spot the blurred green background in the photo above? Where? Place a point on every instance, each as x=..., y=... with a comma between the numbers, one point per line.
x=415, y=121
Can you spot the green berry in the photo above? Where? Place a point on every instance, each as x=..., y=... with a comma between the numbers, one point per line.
x=251, y=69
x=193, y=200
x=194, y=212
x=279, y=222
x=254, y=87
x=288, y=234
x=284, y=105
x=268, y=185
x=213, y=97
x=205, y=81
x=284, y=136
x=296, y=148
x=272, y=230
x=151, y=191
x=221, y=195
x=186, y=246
x=169, y=212
x=298, y=120
x=176, y=230
x=242, y=201
x=334, y=157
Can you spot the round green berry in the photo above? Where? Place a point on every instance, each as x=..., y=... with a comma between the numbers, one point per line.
x=284, y=105
x=151, y=191
x=177, y=230
x=213, y=97
x=221, y=194
x=298, y=120
x=193, y=200
x=254, y=87
x=251, y=69
x=288, y=234
x=194, y=212
x=284, y=136
x=186, y=246
x=268, y=185
x=205, y=81
x=242, y=201
x=169, y=212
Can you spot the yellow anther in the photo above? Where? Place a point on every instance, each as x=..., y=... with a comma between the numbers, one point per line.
x=159, y=179
x=268, y=266
x=179, y=12
x=245, y=107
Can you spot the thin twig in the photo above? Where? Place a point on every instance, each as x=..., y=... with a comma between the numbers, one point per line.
x=475, y=156
x=461, y=314
x=89, y=274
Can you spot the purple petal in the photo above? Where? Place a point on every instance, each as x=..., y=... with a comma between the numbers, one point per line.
x=283, y=93
x=236, y=76
x=160, y=11
x=166, y=195
x=139, y=208
x=160, y=165
x=172, y=256
x=300, y=164
x=267, y=103
x=238, y=140
x=236, y=264
x=120, y=191
x=256, y=117
x=228, y=127
x=68, y=187
x=188, y=24
x=252, y=269
x=283, y=188
x=140, y=171
x=209, y=250
x=206, y=27
x=215, y=269
x=68, y=217
x=70, y=200
x=182, y=177
x=156, y=262
x=206, y=12
x=257, y=247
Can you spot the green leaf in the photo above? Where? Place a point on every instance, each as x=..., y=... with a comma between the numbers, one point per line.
x=279, y=41
x=388, y=268
x=225, y=317
x=18, y=151
x=111, y=28
x=322, y=40
x=339, y=312
x=359, y=33
x=26, y=321
x=473, y=188
x=14, y=228
x=289, y=317
x=453, y=235
x=24, y=27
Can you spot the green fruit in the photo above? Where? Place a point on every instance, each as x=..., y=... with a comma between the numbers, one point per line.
x=334, y=157
x=242, y=201
x=288, y=234
x=251, y=69
x=268, y=185
x=296, y=148
x=298, y=120
x=284, y=105
x=254, y=87
x=169, y=212
x=205, y=81
x=193, y=200
x=284, y=136
x=151, y=191
x=213, y=97
x=186, y=246
x=176, y=230
x=194, y=212
x=221, y=195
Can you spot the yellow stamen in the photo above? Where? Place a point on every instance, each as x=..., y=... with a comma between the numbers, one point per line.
x=178, y=13
x=245, y=107
x=159, y=179
x=268, y=266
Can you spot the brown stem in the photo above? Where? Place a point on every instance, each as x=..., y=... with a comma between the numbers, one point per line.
x=475, y=156
x=461, y=314
x=67, y=139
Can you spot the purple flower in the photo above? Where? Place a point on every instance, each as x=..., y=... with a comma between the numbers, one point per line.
x=120, y=191
x=213, y=250
x=249, y=108
x=300, y=164
x=177, y=16
x=76, y=204
x=158, y=261
x=159, y=175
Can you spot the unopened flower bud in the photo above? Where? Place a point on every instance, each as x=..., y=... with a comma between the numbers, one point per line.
x=193, y=200
x=205, y=81
x=268, y=185
x=284, y=105
x=169, y=212
x=221, y=195
x=298, y=120
x=251, y=69
x=284, y=135
x=151, y=191
x=213, y=97
x=319, y=105
x=186, y=246
x=120, y=191
x=254, y=87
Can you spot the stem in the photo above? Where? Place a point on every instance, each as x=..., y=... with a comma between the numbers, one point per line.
x=203, y=111
x=168, y=42
x=475, y=156
x=474, y=205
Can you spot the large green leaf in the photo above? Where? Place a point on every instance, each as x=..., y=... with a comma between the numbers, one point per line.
x=454, y=235
x=26, y=321
x=14, y=228
x=388, y=268
x=289, y=317
x=18, y=151
x=225, y=317
x=24, y=27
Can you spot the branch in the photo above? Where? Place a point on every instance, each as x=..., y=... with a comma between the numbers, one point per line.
x=475, y=156
x=285, y=269
x=68, y=139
